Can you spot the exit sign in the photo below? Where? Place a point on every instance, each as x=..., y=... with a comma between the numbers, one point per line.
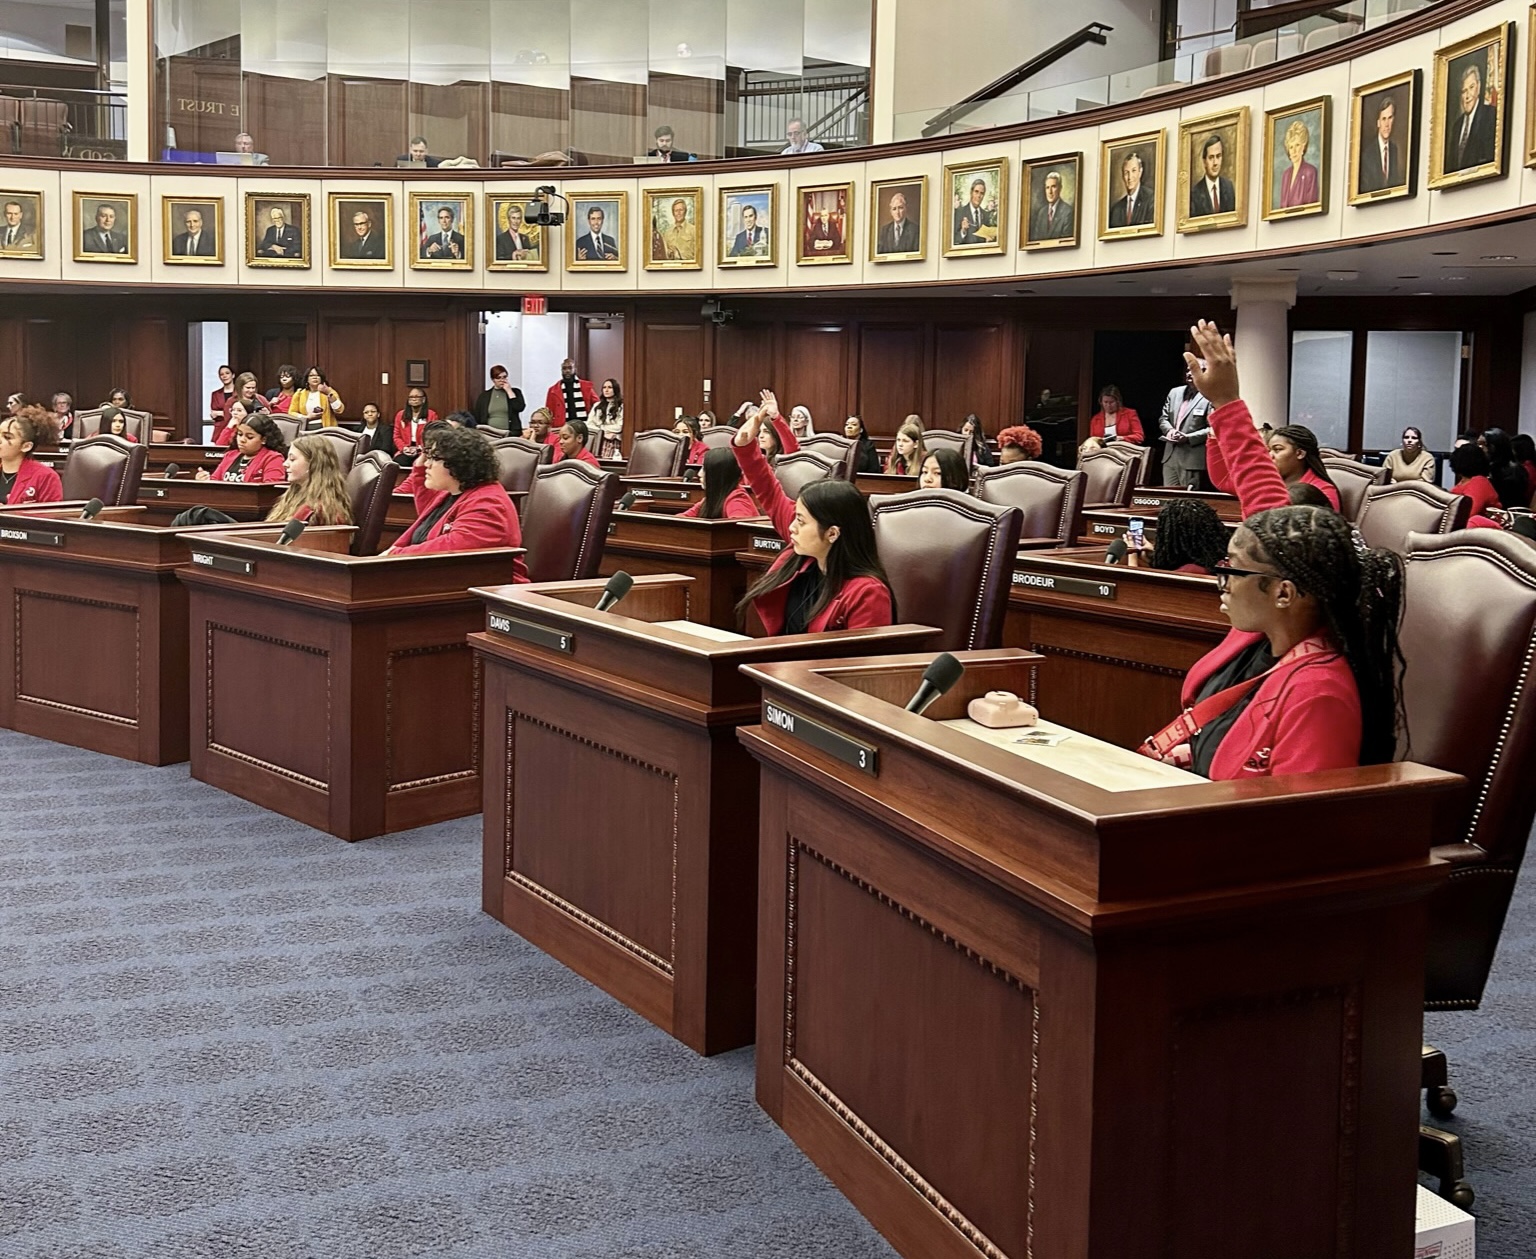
x=535, y=305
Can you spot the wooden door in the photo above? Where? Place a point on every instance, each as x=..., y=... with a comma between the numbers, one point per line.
x=263, y=348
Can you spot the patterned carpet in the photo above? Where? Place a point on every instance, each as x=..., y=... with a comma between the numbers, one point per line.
x=225, y=1034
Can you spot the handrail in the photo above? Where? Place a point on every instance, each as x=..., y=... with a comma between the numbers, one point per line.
x=1093, y=33
x=837, y=113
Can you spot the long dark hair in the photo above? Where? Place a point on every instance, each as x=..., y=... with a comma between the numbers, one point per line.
x=1360, y=592
x=722, y=474
x=264, y=426
x=853, y=554
x=603, y=408
x=1504, y=469
x=953, y=474
x=1189, y=532
x=695, y=431
x=1305, y=440
x=1524, y=447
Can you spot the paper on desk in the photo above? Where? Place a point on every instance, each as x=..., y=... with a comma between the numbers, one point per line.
x=702, y=631
x=1105, y=765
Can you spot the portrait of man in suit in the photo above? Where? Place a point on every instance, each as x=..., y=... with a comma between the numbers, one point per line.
x=441, y=240
x=107, y=229
x=976, y=208
x=824, y=225
x=1381, y=153
x=281, y=239
x=361, y=229
x=1211, y=192
x=515, y=246
x=1471, y=130
x=596, y=244
x=974, y=215
x=1132, y=206
x=19, y=236
x=364, y=240
x=896, y=219
x=276, y=230
x=193, y=228
x=746, y=227
x=752, y=238
x=1052, y=212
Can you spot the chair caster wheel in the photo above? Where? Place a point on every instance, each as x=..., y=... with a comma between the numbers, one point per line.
x=1461, y=1195
x=1441, y=1101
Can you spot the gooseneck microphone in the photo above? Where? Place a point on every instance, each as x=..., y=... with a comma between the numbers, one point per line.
x=617, y=587
x=290, y=531
x=91, y=509
x=1116, y=553
x=942, y=674
x=627, y=501
x=171, y=469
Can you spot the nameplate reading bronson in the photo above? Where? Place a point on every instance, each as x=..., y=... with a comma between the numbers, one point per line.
x=850, y=751
x=223, y=563
x=35, y=537
x=767, y=544
x=538, y=635
x=1064, y=585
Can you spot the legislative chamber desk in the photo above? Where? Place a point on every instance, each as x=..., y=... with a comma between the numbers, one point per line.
x=1102, y=525
x=663, y=495
x=620, y=810
x=166, y=499
x=1149, y=500
x=655, y=542
x=1067, y=1002
x=334, y=689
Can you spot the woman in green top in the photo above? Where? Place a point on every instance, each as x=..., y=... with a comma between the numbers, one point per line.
x=500, y=408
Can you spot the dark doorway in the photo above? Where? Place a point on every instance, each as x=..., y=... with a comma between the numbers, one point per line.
x=600, y=348
x=1145, y=365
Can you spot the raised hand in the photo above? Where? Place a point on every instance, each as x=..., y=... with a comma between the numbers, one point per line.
x=1214, y=368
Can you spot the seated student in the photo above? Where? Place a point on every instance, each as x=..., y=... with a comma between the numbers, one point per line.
x=114, y=423
x=908, y=453
x=725, y=497
x=977, y=453
x=868, y=458
x=539, y=428
x=1090, y=444
x=1307, y=677
x=1294, y=451
x=1470, y=467
x=572, y=443
x=829, y=577
x=25, y=479
x=1190, y=539
x=944, y=470
x=1020, y=442
x=258, y=453
x=411, y=422
x=460, y=503
x=689, y=427
x=706, y=420
x=377, y=435
x=1411, y=462
x=1504, y=469
x=316, y=493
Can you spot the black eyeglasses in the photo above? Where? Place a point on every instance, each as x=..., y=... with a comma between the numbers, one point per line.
x=1224, y=571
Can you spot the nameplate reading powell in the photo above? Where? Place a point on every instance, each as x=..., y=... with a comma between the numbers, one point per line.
x=681, y=494
x=538, y=635
x=223, y=563
x=1064, y=585
x=850, y=751
x=35, y=537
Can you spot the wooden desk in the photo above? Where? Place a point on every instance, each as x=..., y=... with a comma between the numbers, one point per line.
x=1010, y=1012
x=1103, y=525
x=160, y=456
x=1149, y=499
x=167, y=499
x=619, y=807
x=642, y=542
x=665, y=495
x=334, y=689
x=883, y=483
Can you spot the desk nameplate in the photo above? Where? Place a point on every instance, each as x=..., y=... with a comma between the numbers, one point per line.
x=224, y=564
x=682, y=495
x=526, y=631
x=33, y=537
x=850, y=751
x=1053, y=584
x=768, y=544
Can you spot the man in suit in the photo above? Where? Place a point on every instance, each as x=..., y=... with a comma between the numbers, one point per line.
x=417, y=152
x=1185, y=425
x=245, y=143
x=1469, y=140
x=901, y=235
x=822, y=236
x=281, y=239
x=513, y=245
x=1051, y=220
x=971, y=217
x=595, y=246
x=364, y=242
x=14, y=237
x=752, y=239
x=1214, y=193
x=195, y=242
x=104, y=238
x=664, y=147
x=1381, y=163
x=1135, y=208
x=444, y=245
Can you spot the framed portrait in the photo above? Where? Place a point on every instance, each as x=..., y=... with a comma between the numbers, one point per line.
x=674, y=219
x=192, y=231
x=1469, y=110
x=977, y=195
x=277, y=229
x=445, y=235
x=1131, y=186
x=514, y=244
x=362, y=231
x=106, y=227
x=1295, y=170
x=1213, y=172
x=898, y=218
x=826, y=224
x=21, y=229
x=1049, y=186
x=1384, y=139
x=1530, y=87
x=418, y=373
x=749, y=228
x=597, y=233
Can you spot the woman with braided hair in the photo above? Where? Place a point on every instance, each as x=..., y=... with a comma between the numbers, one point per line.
x=1190, y=539
x=1307, y=678
x=1294, y=451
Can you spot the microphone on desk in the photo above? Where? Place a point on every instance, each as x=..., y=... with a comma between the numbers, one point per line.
x=627, y=501
x=290, y=531
x=1116, y=553
x=942, y=674
x=617, y=587
x=91, y=509
x=171, y=469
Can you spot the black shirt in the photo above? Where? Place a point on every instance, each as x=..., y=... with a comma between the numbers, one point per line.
x=1246, y=664
x=425, y=524
x=804, y=590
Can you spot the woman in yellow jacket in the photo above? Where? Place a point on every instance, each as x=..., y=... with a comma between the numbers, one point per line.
x=317, y=400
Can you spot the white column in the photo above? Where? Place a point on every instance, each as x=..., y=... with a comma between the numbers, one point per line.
x=1262, y=337
x=139, y=80
x=882, y=73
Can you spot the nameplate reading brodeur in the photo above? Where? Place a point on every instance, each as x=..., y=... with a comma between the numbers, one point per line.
x=1064, y=585
x=850, y=751
x=538, y=635
x=224, y=563
x=35, y=537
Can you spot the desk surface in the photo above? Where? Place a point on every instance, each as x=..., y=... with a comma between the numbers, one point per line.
x=1081, y=756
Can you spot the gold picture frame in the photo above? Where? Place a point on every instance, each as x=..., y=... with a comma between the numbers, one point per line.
x=277, y=230
x=354, y=245
x=1044, y=224
x=1373, y=130
x=824, y=224
x=1467, y=146
x=115, y=241
x=1128, y=211
x=21, y=239
x=605, y=247
x=1530, y=87
x=976, y=225
x=1296, y=185
x=905, y=240
x=674, y=243
x=429, y=252
x=1213, y=151
x=180, y=244
x=748, y=242
x=512, y=243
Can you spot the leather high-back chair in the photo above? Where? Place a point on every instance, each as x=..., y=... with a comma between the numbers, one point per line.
x=1391, y=512
x=88, y=423
x=1352, y=478
x=1108, y=479
x=344, y=441
x=370, y=483
x=949, y=558
x=1139, y=457
x=1049, y=499
x=656, y=452
x=843, y=451
x=289, y=428
x=565, y=520
x=798, y=470
x=517, y=459
x=943, y=439
x=719, y=437
x=107, y=468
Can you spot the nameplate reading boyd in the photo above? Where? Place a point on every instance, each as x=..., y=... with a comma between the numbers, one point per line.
x=538, y=635
x=223, y=563
x=35, y=537
x=850, y=751
x=1064, y=585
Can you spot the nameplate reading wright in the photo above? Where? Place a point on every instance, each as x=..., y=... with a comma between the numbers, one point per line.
x=767, y=544
x=1064, y=585
x=849, y=751
x=34, y=537
x=224, y=563
x=538, y=635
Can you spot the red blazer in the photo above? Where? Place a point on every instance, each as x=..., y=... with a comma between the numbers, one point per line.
x=555, y=399
x=1127, y=426
x=35, y=482
x=1221, y=477
x=483, y=517
x=862, y=603
x=265, y=466
x=581, y=456
x=410, y=434
x=1480, y=490
x=739, y=505
x=696, y=453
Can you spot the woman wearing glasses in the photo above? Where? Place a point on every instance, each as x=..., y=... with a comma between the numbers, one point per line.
x=1307, y=678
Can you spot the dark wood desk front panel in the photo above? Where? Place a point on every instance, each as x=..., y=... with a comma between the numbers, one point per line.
x=647, y=542
x=164, y=500
x=1149, y=499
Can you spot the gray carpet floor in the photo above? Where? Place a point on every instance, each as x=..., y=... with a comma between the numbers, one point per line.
x=225, y=1034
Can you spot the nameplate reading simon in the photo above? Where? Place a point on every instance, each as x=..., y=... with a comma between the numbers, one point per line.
x=767, y=544
x=849, y=751
x=1064, y=585
x=34, y=537
x=538, y=635
x=223, y=563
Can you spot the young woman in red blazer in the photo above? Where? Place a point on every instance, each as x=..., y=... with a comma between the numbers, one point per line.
x=1470, y=466
x=460, y=503
x=259, y=452
x=689, y=427
x=1112, y=408
x=1293, y=450
x=725, y=497
x=24, y=479
x=571, y=443
x=1314, y=622
x=829, y=577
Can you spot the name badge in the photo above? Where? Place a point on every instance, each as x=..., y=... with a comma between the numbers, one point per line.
x=1064, y=585
x=526, y=631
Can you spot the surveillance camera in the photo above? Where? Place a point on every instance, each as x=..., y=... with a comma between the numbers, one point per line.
x=710, y=309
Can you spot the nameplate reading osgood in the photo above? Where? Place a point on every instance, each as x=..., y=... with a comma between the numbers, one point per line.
x=850, y=751
x=223, y=563
x=1064, y=585
x=538, y=635
x=767, y=544
x=34, y=537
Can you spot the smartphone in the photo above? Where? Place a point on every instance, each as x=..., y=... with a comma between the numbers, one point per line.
x=1138, y=531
